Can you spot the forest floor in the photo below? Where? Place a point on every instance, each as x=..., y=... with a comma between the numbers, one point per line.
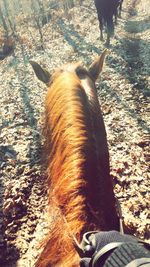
x=123, y=93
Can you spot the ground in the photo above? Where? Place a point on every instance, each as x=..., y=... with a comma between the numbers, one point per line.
x=123, y=95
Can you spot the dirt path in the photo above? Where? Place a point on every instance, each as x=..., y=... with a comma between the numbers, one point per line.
x=129, y=121
x=123, y=92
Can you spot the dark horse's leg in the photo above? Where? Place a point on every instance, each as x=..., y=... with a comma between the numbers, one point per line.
x=100, y=18
x=120, y=8
x=116, y=15
x=116, y=10
x=110, y=29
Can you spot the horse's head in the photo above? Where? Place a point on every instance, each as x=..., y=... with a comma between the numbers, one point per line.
x=87, y=77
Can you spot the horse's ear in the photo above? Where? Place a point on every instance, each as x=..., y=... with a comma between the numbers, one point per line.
x=42, y=74
x=96, y=67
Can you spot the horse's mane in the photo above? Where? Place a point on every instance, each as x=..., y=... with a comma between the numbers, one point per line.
x=78, y=170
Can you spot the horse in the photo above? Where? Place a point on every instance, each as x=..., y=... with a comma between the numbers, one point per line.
x=81, y=196
x=106, y=10
x=120, y=7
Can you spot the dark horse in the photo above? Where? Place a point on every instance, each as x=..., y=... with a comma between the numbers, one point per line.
x=81, y=194
x=107, y=10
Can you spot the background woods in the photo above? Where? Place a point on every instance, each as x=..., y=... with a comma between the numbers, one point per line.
x=53, y=33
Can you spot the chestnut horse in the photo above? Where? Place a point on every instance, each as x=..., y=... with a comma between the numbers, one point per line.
x=81, y=194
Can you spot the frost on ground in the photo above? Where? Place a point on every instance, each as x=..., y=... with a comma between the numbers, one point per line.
x=123, y=93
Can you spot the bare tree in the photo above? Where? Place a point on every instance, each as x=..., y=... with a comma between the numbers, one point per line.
x=4, y=23
x=37, y=20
